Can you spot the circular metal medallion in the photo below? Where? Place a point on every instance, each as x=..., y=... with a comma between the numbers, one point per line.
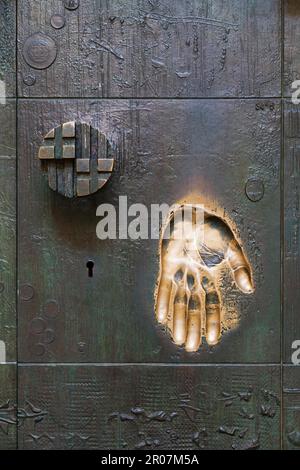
x=39, y=51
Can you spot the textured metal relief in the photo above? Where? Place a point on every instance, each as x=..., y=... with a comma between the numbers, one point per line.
x=188, y=296
x=291, y=407
x=45, y=325
x=292, y=417
x=160, y=407
x=79, y=159
x=8, y=407
x=158, y=48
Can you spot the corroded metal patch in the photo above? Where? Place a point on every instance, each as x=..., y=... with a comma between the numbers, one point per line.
x=39, y=51
x=79, y=159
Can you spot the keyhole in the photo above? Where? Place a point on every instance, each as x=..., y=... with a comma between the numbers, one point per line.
x=90, y=267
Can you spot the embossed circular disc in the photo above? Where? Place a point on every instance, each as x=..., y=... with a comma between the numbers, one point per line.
x=79, y=159
x=255, y=190
x=39, y=51
x=71, y=4
x=37, y=325
x=51, y=309
x=58, y=21
x=26, y=292
x=38, y=349
x=29, y=79
x=49, y=336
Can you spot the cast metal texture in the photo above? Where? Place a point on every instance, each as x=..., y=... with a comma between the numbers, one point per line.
x=159, y=407
x=8, y=48
x=156, y=48
x=8, y=407
x=8, y=229
x=291, y=408
x=291, y=267
x=291, y=41
x=151, y=167
x=227, y=151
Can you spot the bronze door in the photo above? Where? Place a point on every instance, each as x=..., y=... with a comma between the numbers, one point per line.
x=148, y=102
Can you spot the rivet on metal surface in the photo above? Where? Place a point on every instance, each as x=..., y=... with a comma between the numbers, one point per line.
x=254, y=189
x=26, y=292
x=82, y=153
x=49, y=336
x=57, y=21
x=29, y=79
x=51, y=309
x=39, y=51
x=37, y=325
x=38, y=349
x=71, y=4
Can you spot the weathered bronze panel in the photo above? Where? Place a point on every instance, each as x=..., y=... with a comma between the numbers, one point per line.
x=147, y=48
x=106, y=374
x=291, y=408
x=8, y=231
x=8, y=400
x=150, y=407
x=291, y=45
x=8, y=48
x=291, y=293
x=209, y=149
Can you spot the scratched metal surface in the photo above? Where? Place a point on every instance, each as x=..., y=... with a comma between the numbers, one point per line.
x=291, y=44
x=8, y=229
x=291, y=408
x=149, y=407
x=291, y=295
x=8, y=398
x=66, y=316
x=8, y=46
x=149, y=48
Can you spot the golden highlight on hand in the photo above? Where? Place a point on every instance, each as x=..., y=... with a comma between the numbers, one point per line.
x=187, y=297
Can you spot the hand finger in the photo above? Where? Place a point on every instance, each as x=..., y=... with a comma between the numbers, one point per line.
x=193, y=340
x=213, y=312
x=240, y=267
x=163, y=298
x=169, y=263
x=179, y=317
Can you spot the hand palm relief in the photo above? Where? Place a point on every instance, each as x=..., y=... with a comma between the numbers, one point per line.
x=188, y=298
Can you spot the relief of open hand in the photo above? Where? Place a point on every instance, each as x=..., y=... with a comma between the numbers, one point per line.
x=187, y=298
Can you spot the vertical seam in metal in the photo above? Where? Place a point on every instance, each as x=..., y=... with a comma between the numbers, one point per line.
x=282, y=225
x=17, y=234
